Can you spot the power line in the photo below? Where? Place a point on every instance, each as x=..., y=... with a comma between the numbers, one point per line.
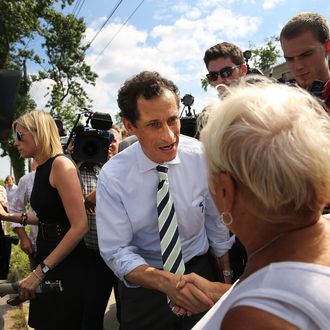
x=115, y=35
x=76, y=5
x=106, y=21
x=78, y=10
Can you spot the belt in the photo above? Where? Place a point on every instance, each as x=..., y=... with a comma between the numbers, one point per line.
x=51, y=230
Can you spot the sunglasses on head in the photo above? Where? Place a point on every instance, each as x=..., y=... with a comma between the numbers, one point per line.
x=225, y=72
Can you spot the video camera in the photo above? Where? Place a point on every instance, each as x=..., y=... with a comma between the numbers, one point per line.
x=188, y=122
x=247, y=56
x=92, y=141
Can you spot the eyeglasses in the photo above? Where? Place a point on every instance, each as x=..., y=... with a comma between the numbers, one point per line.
x=225, y=72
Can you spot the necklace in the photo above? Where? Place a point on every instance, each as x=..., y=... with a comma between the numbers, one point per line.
x=265, y=245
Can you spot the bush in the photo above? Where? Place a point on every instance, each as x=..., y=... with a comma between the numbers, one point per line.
x=19, y=265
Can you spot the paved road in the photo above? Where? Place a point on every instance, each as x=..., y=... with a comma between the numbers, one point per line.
x=110, y=319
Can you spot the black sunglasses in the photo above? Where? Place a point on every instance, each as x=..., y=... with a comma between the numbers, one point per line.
x=18, y=136
x=225, y=72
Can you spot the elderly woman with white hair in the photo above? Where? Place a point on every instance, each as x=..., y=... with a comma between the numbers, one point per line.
x=268, y=151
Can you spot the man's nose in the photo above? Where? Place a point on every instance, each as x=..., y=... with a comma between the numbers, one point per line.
x=298, y=64
x=167, y=133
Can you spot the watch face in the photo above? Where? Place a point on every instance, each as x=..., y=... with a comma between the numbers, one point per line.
x=44, y=268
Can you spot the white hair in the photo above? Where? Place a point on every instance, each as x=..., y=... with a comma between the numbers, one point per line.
x=274, y=140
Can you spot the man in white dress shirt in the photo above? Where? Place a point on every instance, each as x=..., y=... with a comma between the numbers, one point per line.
x=20, y=200
x=126, y=216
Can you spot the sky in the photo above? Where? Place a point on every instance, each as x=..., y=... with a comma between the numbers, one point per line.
x=168, y=36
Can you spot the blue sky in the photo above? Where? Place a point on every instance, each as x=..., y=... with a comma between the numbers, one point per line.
x=171, y=36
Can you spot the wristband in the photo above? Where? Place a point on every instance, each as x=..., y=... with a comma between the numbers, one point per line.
x=24, y=218
x=36, y=275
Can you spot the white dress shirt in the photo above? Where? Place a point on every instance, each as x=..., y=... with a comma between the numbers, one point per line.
x=10, y=193
x=126, y=212
x=21, y=199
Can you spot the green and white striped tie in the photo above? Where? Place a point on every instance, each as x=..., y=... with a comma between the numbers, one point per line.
x=168, y=227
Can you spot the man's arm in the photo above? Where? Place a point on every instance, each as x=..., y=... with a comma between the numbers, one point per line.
x=225, y=268
x=189, y=297
x=116, y=237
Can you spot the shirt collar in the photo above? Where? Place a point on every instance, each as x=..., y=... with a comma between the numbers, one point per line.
x=145, y=164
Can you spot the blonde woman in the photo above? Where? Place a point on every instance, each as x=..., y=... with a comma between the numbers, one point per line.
x=58, y=202
x=268, y=149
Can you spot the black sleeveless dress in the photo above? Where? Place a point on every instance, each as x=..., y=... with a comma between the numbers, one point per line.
x=56, y=310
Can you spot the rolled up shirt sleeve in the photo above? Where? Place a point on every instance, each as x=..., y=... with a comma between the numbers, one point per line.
x=115, y=233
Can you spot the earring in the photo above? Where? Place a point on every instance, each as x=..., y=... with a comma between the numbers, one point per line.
x=223, y=214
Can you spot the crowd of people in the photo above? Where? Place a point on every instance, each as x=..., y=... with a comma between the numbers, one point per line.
x=219, y=233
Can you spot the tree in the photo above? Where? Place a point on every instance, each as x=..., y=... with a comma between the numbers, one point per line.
x=61, y=38
x=266, y=56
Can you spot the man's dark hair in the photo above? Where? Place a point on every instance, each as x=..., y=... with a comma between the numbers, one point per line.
x=224, y=49
x=146, y=84
x=303, y=22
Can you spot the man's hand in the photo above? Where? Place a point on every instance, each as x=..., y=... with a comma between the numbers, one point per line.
x=25, y=242
x=189, y=297
x=213, y=290
x=27, y=246
x=90, y=201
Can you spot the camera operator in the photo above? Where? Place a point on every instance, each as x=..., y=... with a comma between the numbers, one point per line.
x=306, y=47
x=100, y=276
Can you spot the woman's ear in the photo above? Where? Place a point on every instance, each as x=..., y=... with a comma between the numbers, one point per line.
x=223, y=192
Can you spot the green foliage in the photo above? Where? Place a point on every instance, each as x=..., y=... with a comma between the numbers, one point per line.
x=205, y=83
x=19, y=265
x=266, y=56
x=61, y=38
x=63, y=35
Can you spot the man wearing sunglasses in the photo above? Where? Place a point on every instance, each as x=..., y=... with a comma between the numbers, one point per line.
x=225, y=64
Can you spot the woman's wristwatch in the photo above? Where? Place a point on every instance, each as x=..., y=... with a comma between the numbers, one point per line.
x=44, y=268
x=227, y=273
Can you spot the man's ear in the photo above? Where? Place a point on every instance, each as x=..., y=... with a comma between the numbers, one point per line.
x=129, y=126
x=327, y=47
x=243, y=69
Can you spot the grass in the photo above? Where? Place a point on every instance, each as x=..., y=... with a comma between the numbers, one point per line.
x=19, y=319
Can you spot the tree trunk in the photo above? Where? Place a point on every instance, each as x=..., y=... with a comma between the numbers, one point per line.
x=16, y=162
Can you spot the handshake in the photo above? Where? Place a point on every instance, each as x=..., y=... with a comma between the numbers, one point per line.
x=194, y=294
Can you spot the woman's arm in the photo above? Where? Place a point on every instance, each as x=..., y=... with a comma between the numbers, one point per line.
x=21, y=218
x=64, y=178
x=250, y=318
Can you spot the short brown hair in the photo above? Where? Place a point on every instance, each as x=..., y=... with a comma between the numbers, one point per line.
x=147, y=84
x=224, y=49
x=303, y=22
